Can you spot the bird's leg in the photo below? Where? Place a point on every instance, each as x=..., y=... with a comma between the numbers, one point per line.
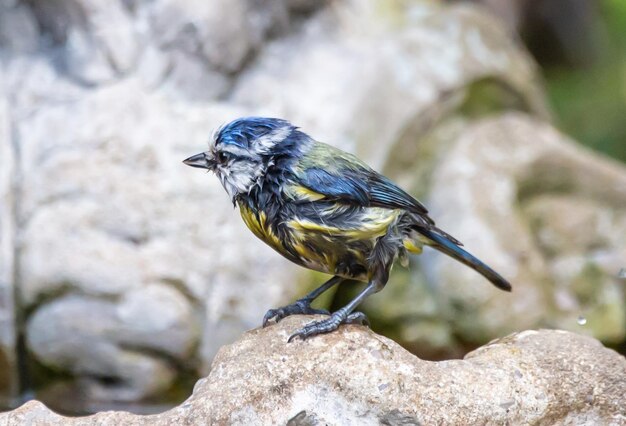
x=380, y=261
x=342, y=316
x=302, y=306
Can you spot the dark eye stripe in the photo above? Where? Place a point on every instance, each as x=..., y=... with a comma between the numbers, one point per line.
x=237, y=154
x=225, y=156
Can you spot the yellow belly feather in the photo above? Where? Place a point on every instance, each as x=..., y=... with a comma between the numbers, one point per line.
x=257, y=223
x=321, y=246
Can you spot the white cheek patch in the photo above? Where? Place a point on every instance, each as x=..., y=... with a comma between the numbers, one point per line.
x=239, y=176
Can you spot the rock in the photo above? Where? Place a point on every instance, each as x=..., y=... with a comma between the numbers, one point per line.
x=190, y=79
x=18, y=28
x=103, y=45
x=121, y=343
x=350, y=76
x=544, y=212
x=117, y=93
x=516, y=170
x=224, y=34
x=9, y=386
x=150, y=221
x=148, y=269
x=354, y=376
x=209, y=43
x=95, y=40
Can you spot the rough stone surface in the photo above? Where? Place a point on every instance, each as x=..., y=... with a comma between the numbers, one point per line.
x=112, y=240
x=18, y=29
x=546, y=213
x=530, y=179
x=356, y=377
x=104, y=98
x=354, y=76
x=120, y=341
x=8, y=362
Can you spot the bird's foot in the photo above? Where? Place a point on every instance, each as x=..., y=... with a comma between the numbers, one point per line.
x=299, y=307
x=330, y=324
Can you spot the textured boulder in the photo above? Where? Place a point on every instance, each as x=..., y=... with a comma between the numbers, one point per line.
x=117, y=340
x=8, y=354
x=360, y=76
x=356, y=377
x=546, y=213
x=102, y=228
x=114, y=94
x=116, y=223
x=18, y=29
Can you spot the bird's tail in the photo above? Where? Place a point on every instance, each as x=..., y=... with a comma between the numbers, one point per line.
x=450, y=246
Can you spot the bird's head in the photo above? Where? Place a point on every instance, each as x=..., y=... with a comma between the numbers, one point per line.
x=241, y=152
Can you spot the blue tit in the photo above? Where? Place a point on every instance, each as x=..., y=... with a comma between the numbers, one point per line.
x=324, y=209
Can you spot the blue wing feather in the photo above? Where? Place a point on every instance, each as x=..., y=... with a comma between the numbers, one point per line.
x=341, y=187
x=356, y=183
x=385, y=193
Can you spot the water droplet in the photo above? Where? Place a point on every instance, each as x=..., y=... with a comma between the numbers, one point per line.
x=581, y=320
x=622, y=274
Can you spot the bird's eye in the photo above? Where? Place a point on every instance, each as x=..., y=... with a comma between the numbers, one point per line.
x=222, y=157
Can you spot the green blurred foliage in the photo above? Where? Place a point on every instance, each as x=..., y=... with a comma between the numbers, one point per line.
x=590, y=101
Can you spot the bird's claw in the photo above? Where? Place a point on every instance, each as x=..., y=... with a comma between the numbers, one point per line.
x=329, y=324
x=357, y=318
x=299, y=307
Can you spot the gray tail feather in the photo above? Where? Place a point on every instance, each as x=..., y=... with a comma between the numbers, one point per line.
x=452, y=249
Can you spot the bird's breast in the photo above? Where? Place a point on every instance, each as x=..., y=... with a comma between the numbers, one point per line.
x=258, y=223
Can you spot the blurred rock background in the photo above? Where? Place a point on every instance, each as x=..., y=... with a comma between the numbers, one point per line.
x=122, y=271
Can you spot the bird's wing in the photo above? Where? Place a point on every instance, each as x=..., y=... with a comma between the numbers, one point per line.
x=336, y=175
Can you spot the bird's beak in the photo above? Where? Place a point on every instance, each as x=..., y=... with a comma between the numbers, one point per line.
x=201, y=161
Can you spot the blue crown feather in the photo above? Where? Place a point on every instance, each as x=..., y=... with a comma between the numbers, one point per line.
x=242, y=131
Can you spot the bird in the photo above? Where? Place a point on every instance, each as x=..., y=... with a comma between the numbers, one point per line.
x=324, y=209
